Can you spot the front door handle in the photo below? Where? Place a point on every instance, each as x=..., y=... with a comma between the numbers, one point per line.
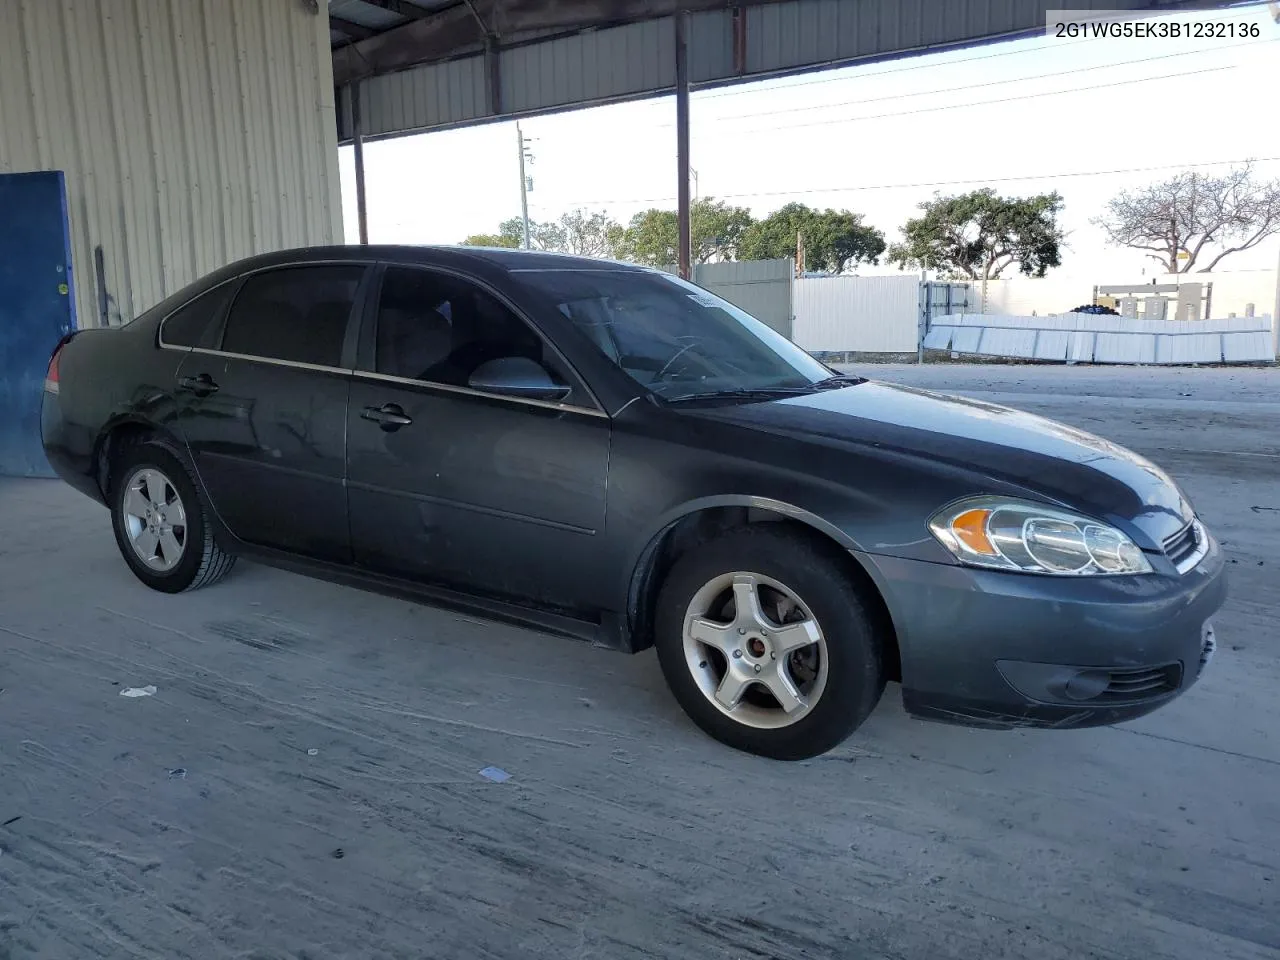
x=201, y=386
x=389, y=416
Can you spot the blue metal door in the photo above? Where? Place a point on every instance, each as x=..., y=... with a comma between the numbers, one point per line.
x=37, y=307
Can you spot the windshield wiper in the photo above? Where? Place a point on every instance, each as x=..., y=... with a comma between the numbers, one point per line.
x=839, y=380
x=742, y=393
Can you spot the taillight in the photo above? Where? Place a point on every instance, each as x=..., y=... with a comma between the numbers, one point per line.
x=51, y=377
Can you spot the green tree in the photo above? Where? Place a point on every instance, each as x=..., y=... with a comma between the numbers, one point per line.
x=834, y=240
x=510, y=234
x=542, y=236
x=584, y=234
x=492, y=240
x=653, y=237
x=978, y=235
x=576, y=232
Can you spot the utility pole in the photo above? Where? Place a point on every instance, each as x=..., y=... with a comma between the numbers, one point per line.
x=526, y=183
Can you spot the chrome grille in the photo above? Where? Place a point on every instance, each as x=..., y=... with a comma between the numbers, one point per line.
x=1183, y=546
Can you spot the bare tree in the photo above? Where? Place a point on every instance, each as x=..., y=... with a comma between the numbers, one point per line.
x=582, y=234
x=1195, y=214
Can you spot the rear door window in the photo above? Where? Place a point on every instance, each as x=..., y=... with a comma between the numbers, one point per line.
x=187, y=326
x=298, y=314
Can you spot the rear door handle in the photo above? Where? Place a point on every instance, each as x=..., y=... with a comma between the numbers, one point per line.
x=389, y=416
x=201, y=386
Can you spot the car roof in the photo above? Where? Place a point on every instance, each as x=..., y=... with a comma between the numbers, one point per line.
x=499, y=257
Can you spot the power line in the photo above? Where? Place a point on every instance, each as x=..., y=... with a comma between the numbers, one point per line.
x=977, y=86
x=982, y=103
x=935, y=183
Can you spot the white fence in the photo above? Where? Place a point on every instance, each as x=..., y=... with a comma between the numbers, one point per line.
x=882, y=315
x=863, y=314
x=1232, y=292
x=1089, y=338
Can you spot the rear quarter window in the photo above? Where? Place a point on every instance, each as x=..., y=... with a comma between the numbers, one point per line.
x=187, y=325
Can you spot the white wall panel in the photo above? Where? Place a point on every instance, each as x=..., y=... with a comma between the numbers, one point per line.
x=1088, y=338
x=191, y=132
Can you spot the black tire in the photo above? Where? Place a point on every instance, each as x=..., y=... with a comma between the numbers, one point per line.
x=202, y=561
x=855, y=671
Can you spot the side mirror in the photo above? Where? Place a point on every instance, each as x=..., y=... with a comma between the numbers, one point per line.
x=517, y=377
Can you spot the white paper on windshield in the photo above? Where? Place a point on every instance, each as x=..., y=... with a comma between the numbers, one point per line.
x=703, y=299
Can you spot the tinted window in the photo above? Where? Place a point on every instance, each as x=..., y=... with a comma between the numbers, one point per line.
x=673, y=337
x=186, y=325
x=296, y=313
x=438, y=328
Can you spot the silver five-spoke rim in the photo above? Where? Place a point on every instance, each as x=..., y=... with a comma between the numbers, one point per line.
x=755, y=650
x=154, y=519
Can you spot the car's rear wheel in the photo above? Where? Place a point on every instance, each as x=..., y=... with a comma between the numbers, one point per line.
x=768, y=644
x=160, y=522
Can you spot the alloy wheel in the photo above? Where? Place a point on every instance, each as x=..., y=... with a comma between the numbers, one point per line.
x=755, y=650
x=154, y=519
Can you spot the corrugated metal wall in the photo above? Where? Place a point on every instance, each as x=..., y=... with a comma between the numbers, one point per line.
x=191, y=133
x=858, y=314
x=763, y=288
x=638, y=59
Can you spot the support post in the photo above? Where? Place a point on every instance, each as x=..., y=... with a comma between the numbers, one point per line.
x=682, y=144
x=357, y=141
x=1275, y=314
x=926, y=314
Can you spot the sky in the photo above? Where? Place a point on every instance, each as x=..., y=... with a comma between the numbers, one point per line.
x=1087, y=118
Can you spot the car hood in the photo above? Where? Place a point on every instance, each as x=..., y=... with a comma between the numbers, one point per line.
x=1048, y=459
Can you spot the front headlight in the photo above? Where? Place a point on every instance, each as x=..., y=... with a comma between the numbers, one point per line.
x=1033, y=538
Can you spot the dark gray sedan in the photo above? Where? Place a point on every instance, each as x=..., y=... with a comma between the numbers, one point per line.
x=607, y=452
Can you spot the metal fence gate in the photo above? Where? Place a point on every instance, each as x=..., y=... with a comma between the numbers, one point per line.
x=940, y=299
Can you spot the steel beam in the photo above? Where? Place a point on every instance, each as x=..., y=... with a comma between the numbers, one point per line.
x=464, y=29
x=410, y=11
x=355, y=31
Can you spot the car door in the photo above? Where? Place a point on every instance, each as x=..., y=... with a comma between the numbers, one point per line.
x=455, y=480
x=263, y=411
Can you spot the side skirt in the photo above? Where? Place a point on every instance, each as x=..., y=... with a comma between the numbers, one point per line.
x=558, y=625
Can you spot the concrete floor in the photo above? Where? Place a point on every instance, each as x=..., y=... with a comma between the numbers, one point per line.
x=305, y=781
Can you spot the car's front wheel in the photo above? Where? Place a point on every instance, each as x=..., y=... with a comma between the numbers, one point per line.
x=767, y=644
x=160, y=522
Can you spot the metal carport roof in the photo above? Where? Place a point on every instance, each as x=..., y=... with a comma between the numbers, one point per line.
x=431, y=64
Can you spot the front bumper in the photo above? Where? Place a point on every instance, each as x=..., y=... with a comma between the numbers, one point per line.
x=995, y=649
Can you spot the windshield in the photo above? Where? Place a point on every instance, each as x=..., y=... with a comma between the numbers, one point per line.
x=675, y=338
